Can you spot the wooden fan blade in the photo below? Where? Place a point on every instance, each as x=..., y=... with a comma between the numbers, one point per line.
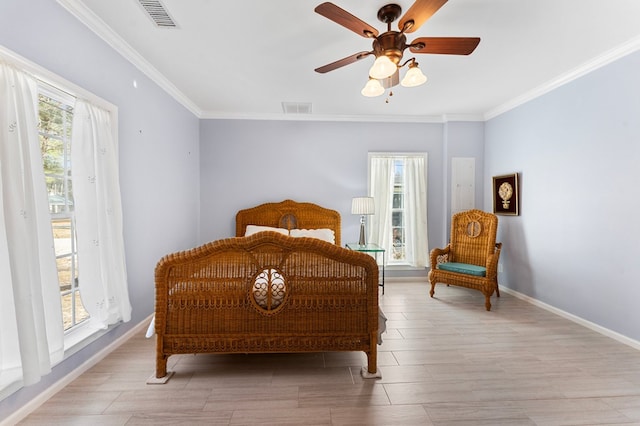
x=342, y=62
x=445, y=45
x=347, y=20
x=419, y=12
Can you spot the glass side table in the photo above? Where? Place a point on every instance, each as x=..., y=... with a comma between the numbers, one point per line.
x=370, y=248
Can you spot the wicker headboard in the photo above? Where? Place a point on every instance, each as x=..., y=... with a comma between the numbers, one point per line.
x=290, y=215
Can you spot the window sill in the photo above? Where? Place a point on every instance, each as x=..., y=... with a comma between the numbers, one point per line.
x=402, y=267
x=399, y=272
x=81, y=336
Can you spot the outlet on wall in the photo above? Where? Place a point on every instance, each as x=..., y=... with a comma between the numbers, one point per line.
x=499, y=267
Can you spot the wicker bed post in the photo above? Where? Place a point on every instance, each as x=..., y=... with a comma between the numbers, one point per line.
x=161, y=361
x=372, y=358
x=160, y=319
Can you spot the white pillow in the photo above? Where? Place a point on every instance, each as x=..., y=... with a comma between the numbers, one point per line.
x=254, y=229
x=323, y=234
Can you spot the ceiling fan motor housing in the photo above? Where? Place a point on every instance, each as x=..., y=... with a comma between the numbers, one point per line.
x=391, y=44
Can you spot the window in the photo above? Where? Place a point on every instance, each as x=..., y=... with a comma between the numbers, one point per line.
x=55, y=115
x=397, y=182
x=397, y=212
x=52, y=186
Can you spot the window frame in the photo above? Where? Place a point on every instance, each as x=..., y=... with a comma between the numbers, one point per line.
x=391, y=263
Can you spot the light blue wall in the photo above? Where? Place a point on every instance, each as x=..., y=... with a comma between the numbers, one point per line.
x=244, y=163
x=158, y=141
x=575, y=245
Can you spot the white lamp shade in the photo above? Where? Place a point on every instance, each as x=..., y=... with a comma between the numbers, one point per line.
x=383, y=67
x=372, y=89
x=362, y=206
x=414, y=77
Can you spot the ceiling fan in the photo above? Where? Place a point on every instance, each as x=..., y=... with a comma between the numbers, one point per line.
x=388, y=47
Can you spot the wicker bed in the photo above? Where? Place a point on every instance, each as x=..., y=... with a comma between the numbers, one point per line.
x=268, y=292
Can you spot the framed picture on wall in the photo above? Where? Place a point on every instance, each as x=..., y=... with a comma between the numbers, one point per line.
x=505, y=195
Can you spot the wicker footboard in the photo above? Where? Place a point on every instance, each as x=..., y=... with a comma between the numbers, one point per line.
x=266, y=293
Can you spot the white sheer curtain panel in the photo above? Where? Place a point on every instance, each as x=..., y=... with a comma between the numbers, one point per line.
x=98, y=210
x=416, y=240
x=31, y=329
x=381, y=189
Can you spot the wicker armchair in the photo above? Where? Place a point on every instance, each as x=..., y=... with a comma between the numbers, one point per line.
x=471, y=258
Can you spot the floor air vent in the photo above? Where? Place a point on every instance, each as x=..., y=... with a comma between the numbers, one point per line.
x=157, y=13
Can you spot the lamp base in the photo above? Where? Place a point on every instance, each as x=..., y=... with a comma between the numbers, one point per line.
x=362, y=238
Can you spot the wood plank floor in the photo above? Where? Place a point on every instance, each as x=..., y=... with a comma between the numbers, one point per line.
x=444, y=361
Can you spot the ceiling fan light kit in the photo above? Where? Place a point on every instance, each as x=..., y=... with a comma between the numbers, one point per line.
x=372, y=89
x=388, y=47
x=414, y=77
x=383, y=67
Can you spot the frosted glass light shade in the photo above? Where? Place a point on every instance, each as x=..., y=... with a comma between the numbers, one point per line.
x=383, y=67
x=414, y=77
x=372, y=88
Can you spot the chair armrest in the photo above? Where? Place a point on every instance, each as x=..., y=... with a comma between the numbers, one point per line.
x=492, y=261
x=437, y=252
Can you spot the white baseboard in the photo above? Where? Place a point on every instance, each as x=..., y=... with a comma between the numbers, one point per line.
x=388, y=279
x=583, y=322
x=36, y=402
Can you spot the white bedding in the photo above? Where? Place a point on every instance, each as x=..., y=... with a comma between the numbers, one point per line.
x=323, y=234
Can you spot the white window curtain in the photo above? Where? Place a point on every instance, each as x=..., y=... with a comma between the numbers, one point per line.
x=31, y=328
x=96, y=191
x=381, y=189
x=382, y=171
x=416, y=239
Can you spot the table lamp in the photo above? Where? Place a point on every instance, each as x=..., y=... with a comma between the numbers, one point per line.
x=363, y=206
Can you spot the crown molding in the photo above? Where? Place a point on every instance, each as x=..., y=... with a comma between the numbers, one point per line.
x=443, y=118
x=612, y=55
x=102, y=30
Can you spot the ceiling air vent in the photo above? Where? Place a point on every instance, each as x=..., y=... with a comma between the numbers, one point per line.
x=296, y=107
x=157, y=13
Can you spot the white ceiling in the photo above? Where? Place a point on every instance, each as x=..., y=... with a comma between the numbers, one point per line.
x=243, y=58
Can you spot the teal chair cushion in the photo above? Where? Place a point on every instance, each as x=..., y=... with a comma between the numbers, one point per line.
x=464, y=268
